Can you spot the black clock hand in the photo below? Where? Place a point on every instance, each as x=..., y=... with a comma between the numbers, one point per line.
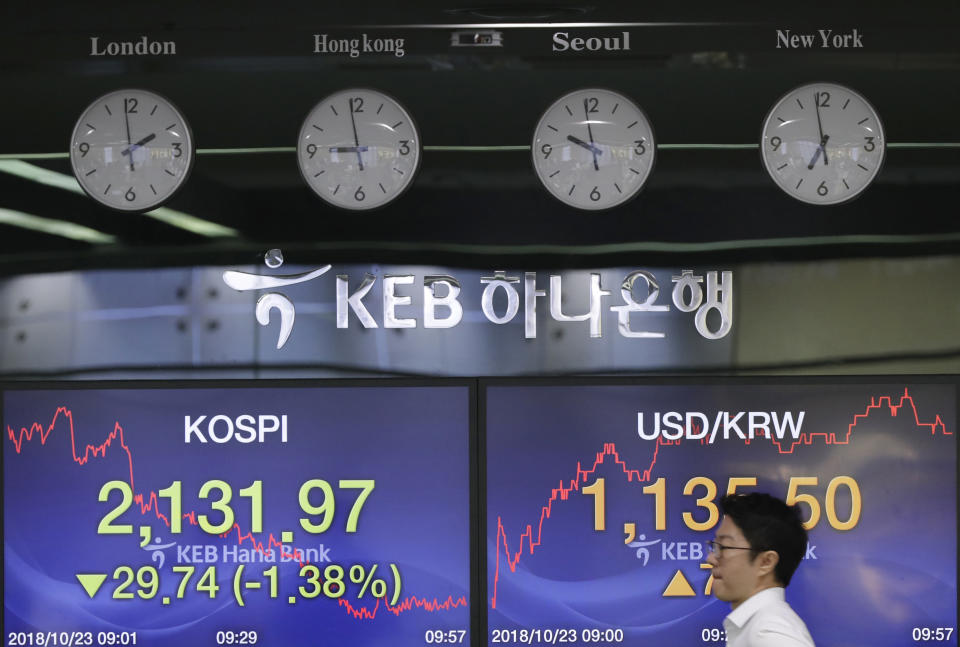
x=349, y=149
x=133, y=147
x=590, y=147
x=126, y=118
x=822, y=148
x=356, y=141
x=823, y=139
x=586, y=116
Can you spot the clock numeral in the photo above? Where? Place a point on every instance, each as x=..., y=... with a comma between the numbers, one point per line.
x=822, y=189
x=359, y=195
x=130, y=195
x=823, y=99
x=311, y=150
x=869, y=146
x=130, y=106
x=592, y=103
x=357, y=103
x=84, y=148
x=775, y=142
x=640, y=148
x=595, y=195
x=177, y=149
x=546, y=149
x=404, y=146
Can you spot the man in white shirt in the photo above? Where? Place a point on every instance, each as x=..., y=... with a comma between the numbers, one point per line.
x=758, y=546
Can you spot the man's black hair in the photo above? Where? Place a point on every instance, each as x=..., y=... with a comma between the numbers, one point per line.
x=768, y=523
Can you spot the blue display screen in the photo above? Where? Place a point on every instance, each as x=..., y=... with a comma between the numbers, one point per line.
x=237, y=516
x=600, y=499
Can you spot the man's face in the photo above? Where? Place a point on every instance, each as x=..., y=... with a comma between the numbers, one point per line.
x=735, y=576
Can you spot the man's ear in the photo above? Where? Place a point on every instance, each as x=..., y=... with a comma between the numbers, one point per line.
x=767, y=561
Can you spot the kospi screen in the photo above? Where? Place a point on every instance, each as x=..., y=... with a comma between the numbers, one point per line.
x=601, y=499
x=276, y=515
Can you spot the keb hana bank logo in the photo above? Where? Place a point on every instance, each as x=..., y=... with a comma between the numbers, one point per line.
x=708, y=297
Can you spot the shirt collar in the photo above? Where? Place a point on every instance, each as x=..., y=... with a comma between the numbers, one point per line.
x=754, y=603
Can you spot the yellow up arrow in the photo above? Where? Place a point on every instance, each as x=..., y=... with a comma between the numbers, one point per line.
x=91, y=582
x=678, y=587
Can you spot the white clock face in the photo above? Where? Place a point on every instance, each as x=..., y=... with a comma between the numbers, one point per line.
x=823, y=143
x=131, y=150
x=593, y=149
x=359, y=149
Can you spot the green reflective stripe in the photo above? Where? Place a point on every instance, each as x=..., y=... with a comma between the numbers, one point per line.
x=34, y=156
x=472, y=149
x=245, y=151
x=54, y=227
x=646, y=246
x=475, y=149
x=685, y=147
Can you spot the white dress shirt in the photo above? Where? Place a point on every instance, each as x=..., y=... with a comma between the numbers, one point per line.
x=766, y=620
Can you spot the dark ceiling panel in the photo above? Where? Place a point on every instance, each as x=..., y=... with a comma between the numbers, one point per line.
x=257, y=93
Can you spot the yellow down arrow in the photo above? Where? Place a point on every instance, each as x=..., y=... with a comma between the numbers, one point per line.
x=91, y=582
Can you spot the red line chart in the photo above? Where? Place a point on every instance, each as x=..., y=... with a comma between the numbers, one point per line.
x=562, y=492
x=364, y=613
x=877, y=405
x=150, y=503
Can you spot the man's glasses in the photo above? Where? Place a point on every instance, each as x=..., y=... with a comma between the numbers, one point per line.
x=717, y=549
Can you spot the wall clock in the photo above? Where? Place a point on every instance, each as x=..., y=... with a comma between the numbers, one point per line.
x=131, y=150
x=823, y=143
x=359, y=149
x=593, y=149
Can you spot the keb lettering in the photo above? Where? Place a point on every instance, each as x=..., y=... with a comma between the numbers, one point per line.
x=682, y=550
